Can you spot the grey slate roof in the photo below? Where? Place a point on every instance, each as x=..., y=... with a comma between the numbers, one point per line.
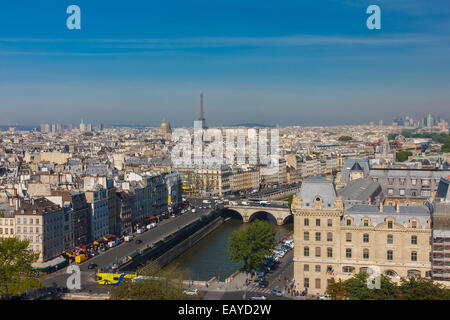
x=313, y=187
x=360, y=189
x=443, y=191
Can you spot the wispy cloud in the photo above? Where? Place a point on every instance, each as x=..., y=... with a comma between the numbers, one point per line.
x=88, y=47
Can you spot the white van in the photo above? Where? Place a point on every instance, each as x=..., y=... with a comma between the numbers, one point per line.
x=206, y=201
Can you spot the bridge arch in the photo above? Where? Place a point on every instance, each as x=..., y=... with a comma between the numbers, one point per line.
x=231, y=213
x=262, y=215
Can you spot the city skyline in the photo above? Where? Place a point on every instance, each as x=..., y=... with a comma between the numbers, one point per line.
x=297, y=63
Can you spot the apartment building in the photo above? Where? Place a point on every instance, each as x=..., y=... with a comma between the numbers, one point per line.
x=332, y=241
x=7, y=221
x=99, y=212
x=41, y=222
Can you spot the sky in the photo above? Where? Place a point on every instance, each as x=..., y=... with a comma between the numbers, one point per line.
x=271, y=62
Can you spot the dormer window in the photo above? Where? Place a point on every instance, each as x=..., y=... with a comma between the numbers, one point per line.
x=414, y=224
x=390, y=224
x=349, y=222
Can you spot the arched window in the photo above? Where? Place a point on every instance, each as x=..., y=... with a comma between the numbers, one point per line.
x=413, y=273
x=348, y=269
x=390, y=273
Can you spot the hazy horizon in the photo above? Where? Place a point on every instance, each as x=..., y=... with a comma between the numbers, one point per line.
x=291, y=63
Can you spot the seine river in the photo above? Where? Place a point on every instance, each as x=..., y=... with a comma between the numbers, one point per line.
x=209, y=257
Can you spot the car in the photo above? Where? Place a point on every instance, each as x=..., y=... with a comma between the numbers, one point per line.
x=138, y=241
x=276, y=292
x=191, y=292
x=263, y=284
x=258, y=298
x=92, y=266
x=325, y=297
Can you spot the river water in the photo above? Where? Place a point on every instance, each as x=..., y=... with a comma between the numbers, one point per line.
x=209, y=257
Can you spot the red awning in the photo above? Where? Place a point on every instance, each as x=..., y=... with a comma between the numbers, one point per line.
x=152, y=217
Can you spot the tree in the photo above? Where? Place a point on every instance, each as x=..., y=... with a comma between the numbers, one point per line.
x=252, y=245
x=157, y=284
x=345, y=138
x=16, y=272
x=355, y=288
x=337, y=290
x=403, y=155
x=423, y=289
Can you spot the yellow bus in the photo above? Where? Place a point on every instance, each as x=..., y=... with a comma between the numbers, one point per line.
x=113, y=278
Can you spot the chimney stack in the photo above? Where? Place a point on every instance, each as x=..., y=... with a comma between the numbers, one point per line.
x=381, y=205
x=397, y=208
x=369, y=200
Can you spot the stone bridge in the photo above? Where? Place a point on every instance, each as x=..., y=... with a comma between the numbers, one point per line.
x=280, y=214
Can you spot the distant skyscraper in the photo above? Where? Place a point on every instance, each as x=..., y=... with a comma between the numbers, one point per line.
x=82, y=126
x=201, y=116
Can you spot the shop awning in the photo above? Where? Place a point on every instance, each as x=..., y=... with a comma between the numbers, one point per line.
x=52, y=263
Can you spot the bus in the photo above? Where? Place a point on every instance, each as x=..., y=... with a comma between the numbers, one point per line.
x=113, y=278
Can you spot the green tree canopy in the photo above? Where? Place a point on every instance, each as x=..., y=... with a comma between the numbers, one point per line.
x=403, y=155
x=16, y=272
x=345, y=138
x=355, y=288
x=252, y=245
x=158, y=284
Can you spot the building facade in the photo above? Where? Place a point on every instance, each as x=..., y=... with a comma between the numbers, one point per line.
x=335, y=242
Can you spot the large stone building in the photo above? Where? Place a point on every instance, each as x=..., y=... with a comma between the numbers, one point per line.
x=335, y=242
x=41, y=222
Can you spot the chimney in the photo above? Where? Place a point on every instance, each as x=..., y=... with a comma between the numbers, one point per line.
x=397, y=208
x=369, y=200
x=381, y=205
x=17, y=204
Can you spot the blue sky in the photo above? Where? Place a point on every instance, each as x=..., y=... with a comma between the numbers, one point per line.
x=287, y=62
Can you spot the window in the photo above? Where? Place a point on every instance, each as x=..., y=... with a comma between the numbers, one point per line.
x=330, y=269
x=306, y=267
x=390, y=191
x=366, y=222
x=414, y=256
x=348, y=237
x=317, y=236
x=349, y=222
x=365, y=237
x=317, y=283
x=306, y=222
x=317, y=222
x=414, y=182
x=390, y=255
x=306, y=251
x=366, y=254
x=413, y=192
x=413, y=239
x=391, y=181
x=306, y=282
x=317, y=267
x=402, y=181
x=329, y=236
x=402, y=192
x=306, y=236
x=348, y=269
x=389, y=224
x=330, y=252
x=330, y=223
x=414, y=224
x=348, y=253
x=317, y=251
x=390, y=239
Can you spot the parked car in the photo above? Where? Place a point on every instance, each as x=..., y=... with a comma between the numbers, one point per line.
x=138, y=241
x=263, y=284
x=325, y=297
x=258, y=298
x=92, y=266
x=276, y=292
x=191, y=292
